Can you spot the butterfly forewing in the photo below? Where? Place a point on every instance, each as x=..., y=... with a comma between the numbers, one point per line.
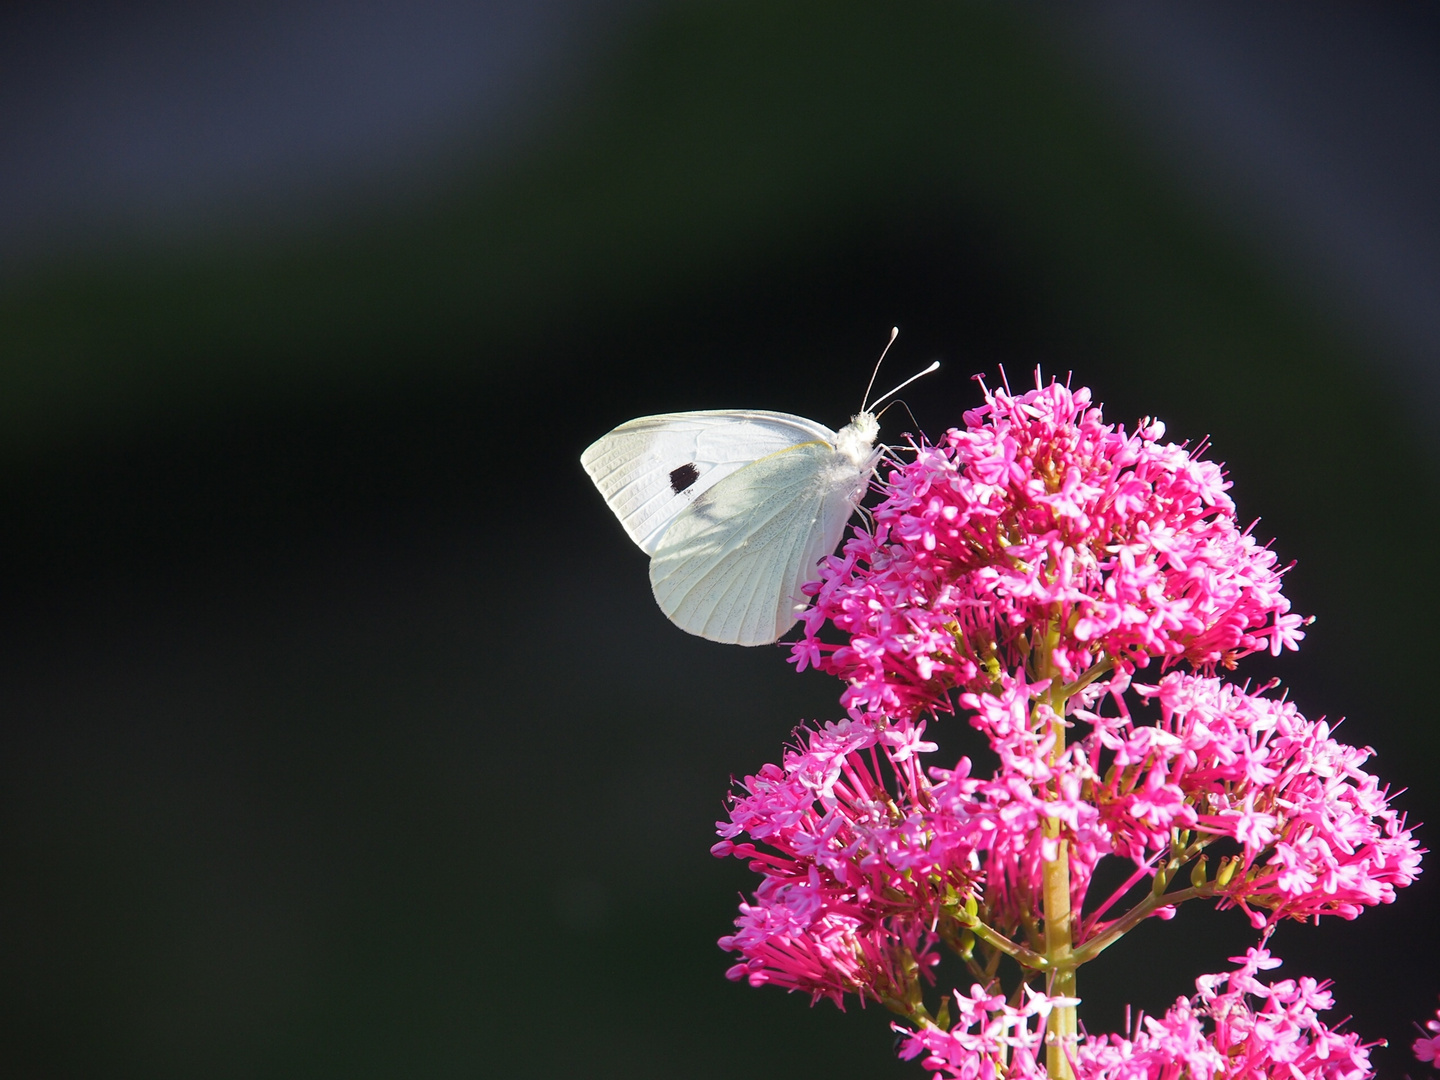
x=651, y=469
x=731, y=564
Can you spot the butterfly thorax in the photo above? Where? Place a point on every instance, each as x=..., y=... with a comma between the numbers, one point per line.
x=856, y=440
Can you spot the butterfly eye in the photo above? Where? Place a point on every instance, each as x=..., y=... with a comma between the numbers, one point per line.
x=683, y=477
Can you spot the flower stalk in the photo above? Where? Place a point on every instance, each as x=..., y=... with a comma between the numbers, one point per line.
x=1055, y=905
x=1060, y=957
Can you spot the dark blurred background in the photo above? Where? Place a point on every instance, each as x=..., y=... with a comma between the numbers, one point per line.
x=341, y=736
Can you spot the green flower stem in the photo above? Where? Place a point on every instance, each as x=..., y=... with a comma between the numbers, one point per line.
x=1063, y=1025
x=1102, y=668
x=1133, y=918
x=998, y=941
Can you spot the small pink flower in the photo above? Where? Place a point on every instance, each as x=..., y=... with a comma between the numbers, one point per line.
x=988, y=1039
x=1427, y=1047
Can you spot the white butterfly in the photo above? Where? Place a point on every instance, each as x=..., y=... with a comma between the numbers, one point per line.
x=735, y=508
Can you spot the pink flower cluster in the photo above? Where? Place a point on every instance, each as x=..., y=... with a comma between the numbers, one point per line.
x=1235, y=1027
x=1316, y=832
x=1022, y=573
x=1039, y=514
x=867, y=859
x=852, y=877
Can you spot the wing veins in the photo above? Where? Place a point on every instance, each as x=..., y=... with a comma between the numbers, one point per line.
x=707, y=602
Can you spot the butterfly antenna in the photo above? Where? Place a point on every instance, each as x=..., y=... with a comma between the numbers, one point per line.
x=934, y=366
x=894, y=333
x=902, y=405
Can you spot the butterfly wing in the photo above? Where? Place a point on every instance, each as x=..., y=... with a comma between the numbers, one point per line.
x=652, y=469
x=730, y=566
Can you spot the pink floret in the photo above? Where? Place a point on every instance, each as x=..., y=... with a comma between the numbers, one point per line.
x=1427, y=1047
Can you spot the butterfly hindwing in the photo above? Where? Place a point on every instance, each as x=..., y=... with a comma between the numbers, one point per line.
x=731, y=564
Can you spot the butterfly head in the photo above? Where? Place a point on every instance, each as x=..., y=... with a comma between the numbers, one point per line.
x=856, y=440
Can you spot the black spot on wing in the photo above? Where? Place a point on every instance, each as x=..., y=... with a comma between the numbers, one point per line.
x=683, y=477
